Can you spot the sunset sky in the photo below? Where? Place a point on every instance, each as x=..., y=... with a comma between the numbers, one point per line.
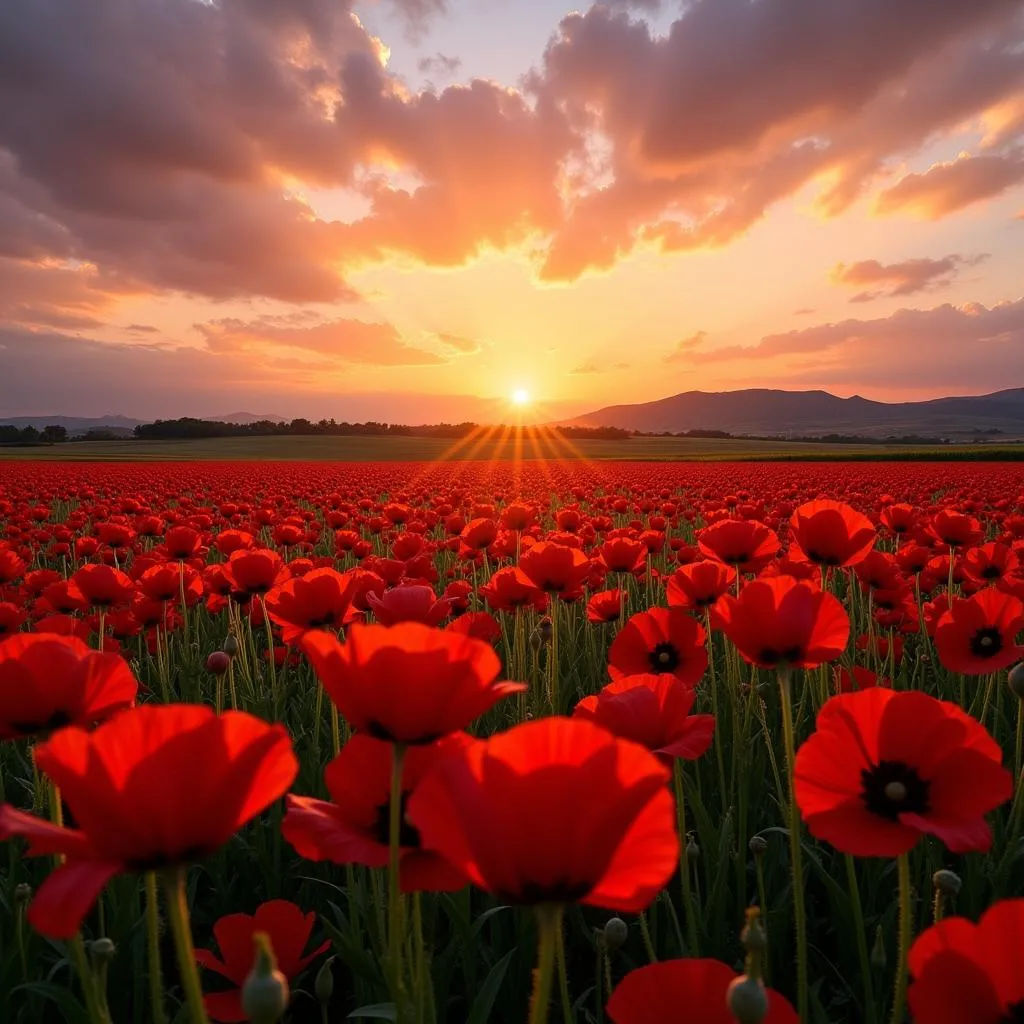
x=407, y=209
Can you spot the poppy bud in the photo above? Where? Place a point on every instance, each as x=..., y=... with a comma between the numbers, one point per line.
x=230, y=646
x=747, y=1000
x=616, y=931
x=946, y=882
x=1016, y=680
x=265, y=991
x=101, y=950
x=544, y=628
x=324, y=984
x=692, y=850
x=23, y=894
x=758, y=846
x=878, y=957
x=217, y=663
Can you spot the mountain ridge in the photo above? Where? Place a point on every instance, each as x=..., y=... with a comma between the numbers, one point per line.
x=778, y=412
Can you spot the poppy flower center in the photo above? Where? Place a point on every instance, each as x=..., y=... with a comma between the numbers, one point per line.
x=1014, y=1014
x=986, y=643
x=56, y=721
x=991, y=572
x=532, y=893
x=771, y=656
x=892, y=788
x=408, y=835
x=821, y=559
x=664, y=657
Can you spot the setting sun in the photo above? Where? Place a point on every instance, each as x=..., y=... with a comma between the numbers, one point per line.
x=520, y=396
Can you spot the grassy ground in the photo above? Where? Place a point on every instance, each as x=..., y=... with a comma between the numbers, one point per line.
x=415, y=449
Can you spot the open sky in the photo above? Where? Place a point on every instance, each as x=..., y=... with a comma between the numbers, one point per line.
x=408, y=209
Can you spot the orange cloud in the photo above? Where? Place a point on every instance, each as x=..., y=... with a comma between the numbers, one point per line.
x=347, y=341
x=905, y=278
x=947, y=187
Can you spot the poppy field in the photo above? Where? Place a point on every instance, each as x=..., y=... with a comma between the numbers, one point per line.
x=456, y=743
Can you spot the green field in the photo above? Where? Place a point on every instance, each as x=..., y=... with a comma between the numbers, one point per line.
x=415, y=449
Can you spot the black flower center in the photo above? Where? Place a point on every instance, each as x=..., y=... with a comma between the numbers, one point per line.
x=56, y=721
x=991, y=572
x=772, y=656
x=1014, y=1014
x=664, y=657
x=821, y=559
x=408, y=835
x=532, y=893
x=986, y=643
x=892, y=788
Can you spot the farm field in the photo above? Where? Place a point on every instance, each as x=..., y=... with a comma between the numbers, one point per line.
x=486, y=448
x=548, y=740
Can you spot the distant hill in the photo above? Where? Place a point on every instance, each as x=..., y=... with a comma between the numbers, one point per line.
x=782, y=413
x=75, y=425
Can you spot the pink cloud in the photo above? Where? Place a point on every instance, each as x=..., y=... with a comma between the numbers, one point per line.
x=947, y=187
x=904, y=278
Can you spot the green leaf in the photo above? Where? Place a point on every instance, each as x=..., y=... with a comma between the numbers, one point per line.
x=379, y=1011
x=70, y=1008
x=484, y=1002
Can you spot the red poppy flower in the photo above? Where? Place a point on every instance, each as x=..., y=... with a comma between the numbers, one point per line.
x=850, y=680
x=517, y=815
x=255, y=571
x=978, y=634
x=747, y=545
x=991, y=563
x=103, y=586
x=518, y=517
x=167, y=582
x=321, y=598
x=11, y=618
x=288, y=929
x=479, y=625
x=409, y=603
x=884, y=767
x=699, y=585
x=554, y=568
x=782, y=621
x=49, y=681
x=11, y=566
x=831, y=533
x=353, y=827
x=681, y=991
x=623, y=554
x=899, y=519
x=966, y=973
x=479, y=534
x=507, y=590
x=660, y=640
x=407, y=683
x=155, y=787
x=654, y=711
x=955, y=529
x=605, y=606
x=182, y=542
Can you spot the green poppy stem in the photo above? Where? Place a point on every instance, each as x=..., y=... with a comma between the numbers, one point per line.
x=549, y=922
x=906, y=928
x=795, y=852
x=177, y=913
x=684, y=863
x=156, y=985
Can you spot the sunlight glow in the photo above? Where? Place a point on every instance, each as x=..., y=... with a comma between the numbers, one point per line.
x=520, y=396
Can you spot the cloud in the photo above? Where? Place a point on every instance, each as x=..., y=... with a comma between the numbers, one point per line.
x=347, y=341
x=947, y=187
x=946, y=346
x=904, y=278
x=194, y=137
x=466, y=346
x=741, y=105
x=586, y=368
x=804, y=311
x=685, y=348
x=418, y=14
x=439, y=64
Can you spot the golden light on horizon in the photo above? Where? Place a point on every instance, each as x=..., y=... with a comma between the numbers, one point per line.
x=520, y=397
